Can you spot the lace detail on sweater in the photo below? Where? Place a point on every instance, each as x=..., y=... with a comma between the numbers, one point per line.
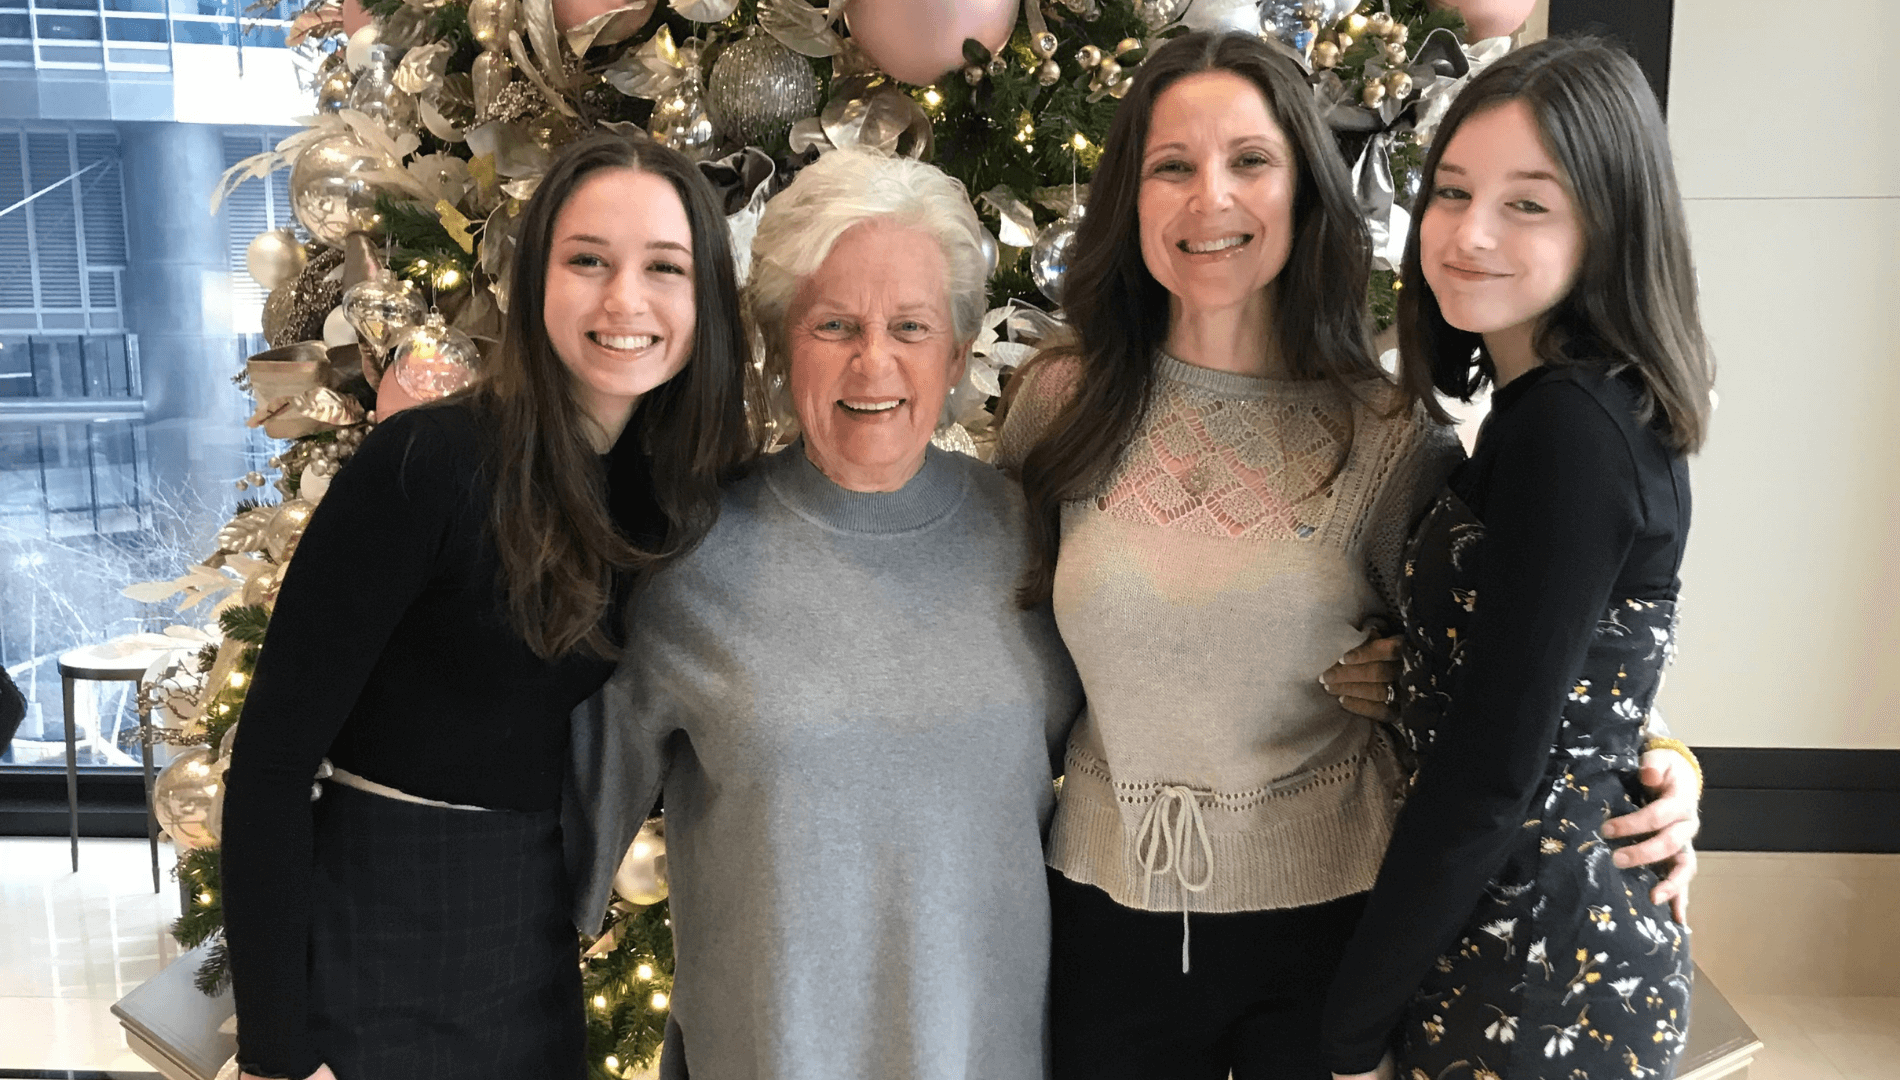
x=1238, y=469
x=1225, y=456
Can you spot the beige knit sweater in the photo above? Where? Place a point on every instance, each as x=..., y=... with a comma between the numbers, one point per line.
x=1250, y=535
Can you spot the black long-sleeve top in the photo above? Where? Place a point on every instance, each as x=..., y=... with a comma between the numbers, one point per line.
x=1580, y=504
x=390, y=652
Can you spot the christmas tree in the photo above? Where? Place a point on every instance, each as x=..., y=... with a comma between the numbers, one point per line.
x=434, y=122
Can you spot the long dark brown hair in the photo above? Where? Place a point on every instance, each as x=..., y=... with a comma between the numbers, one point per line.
x=1633, y=304
x=1120, y=312
x=558, y=543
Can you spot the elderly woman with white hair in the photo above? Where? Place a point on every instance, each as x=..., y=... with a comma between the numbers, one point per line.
x=853, y=724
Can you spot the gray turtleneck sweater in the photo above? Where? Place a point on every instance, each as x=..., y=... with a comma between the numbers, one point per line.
x=855, y=729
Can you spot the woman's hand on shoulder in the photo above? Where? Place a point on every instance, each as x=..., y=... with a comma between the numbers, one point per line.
x=1365, y=680
x=1669, y=822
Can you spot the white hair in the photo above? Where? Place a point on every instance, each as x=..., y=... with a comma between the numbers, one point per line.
x=844, y=189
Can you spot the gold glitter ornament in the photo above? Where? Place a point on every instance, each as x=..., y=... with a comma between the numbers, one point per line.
x=973, y=74
x=1373, y=94
x=285, y=531
x=1325, y=55
x=1048, y=73
x=757, y=89
x=1043, y=45
x=1088, y=56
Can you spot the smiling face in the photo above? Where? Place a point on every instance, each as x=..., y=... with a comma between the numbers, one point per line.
x=619, y=303
x=1218, y=178
x=873, y=354
x=1501, y=241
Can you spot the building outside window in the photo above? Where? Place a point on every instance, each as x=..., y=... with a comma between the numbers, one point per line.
x=125, y=311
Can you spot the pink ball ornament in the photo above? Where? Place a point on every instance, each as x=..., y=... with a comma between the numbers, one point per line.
x=354, y=17
x=916, y=41
x=571, y=13
x=1489, y=18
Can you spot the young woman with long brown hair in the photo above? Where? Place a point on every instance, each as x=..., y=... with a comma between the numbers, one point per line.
x=457, y=594
x=1549, y=257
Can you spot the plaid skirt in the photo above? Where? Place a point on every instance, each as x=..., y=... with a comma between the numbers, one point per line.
x=440, y=944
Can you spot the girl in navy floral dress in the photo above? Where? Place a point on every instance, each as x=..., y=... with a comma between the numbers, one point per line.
x=1549, y=258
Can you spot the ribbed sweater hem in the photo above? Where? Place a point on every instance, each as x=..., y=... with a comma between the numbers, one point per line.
x=1308, y=844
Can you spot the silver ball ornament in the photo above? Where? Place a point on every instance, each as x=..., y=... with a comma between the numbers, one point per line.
x=973, y=74
x=376, y=95
x=382, y=307
x=679, y=121
x=330, y=190
x=757, y=89
x=991, y=253
x=333, y=93
x=275, y=258
x=1221, y=15
x=1049, y=255
x=432, y=360
x=188, y=798
x=641, y=876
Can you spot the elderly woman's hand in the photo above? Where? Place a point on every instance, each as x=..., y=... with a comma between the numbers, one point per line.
x=1672, y=819
x=1365, y=680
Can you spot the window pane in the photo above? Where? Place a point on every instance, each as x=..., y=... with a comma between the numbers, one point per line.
x=136, y=29
x=15, y=26
x=69, y=27
x=199, y=33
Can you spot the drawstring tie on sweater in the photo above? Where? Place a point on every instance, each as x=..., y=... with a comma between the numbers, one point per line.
x=1166, y=839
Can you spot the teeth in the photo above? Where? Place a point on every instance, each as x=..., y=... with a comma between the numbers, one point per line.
x=618, y=341
x=871, y=406
x=1222, y=244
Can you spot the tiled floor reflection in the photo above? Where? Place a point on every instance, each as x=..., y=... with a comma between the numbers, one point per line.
x=1823, y=1038
x=74, y=943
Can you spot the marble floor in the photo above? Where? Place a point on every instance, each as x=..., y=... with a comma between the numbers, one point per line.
x=71, y=944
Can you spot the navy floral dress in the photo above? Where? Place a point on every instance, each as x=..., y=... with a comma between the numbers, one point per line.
x=1538, y=601
x=1566, y=970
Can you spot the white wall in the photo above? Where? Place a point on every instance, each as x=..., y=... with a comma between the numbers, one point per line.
x=1790, y=162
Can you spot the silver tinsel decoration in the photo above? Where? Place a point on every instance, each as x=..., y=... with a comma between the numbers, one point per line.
x=758, y=89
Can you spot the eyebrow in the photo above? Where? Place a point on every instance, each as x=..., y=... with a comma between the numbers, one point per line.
x=590, y=238
x=1258, y=137
x=1516, y=174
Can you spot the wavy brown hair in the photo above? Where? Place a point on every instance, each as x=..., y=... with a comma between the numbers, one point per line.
x=1120, y=312
x=556, y=536
x=1633, y=305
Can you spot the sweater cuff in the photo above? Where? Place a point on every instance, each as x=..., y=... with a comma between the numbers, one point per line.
x=293, y=1066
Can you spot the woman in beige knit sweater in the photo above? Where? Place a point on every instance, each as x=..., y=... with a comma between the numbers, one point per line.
x=1220, y=482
